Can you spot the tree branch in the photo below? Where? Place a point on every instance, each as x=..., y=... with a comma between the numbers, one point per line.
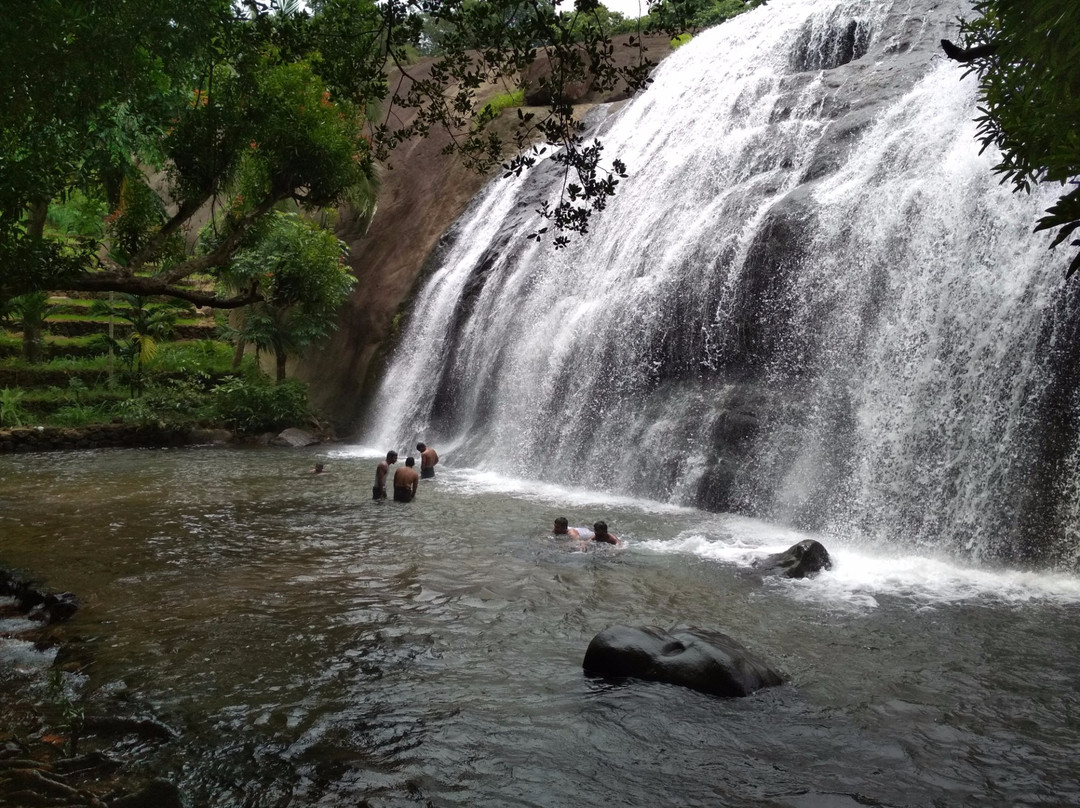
x=153, y=246
x=148, y=286
x=224, y=251
x=965, y=55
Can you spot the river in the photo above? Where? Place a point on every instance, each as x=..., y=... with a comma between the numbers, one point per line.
x=313, y=647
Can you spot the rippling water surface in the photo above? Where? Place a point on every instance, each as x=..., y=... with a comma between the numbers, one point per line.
x=313, y=647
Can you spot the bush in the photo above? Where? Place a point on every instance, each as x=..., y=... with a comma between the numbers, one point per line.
x=174, y=402
x=11, y=409
x=249, y=405
x=80, y=415
x=202, y=357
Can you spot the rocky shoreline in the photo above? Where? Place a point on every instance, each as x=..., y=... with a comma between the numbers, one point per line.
x=148, y=436
x=41, y=762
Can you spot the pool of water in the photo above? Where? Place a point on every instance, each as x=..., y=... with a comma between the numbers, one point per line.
x=313, y=647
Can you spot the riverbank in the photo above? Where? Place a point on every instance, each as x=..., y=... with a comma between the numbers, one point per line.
x=147, y=436
x=52, y=752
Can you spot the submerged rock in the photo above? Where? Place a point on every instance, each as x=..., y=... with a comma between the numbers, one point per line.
x=295, y=437
x=801, y=560
x=202, y=437
x=702, y=660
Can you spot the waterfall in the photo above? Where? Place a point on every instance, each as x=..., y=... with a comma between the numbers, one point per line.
x=811, y=301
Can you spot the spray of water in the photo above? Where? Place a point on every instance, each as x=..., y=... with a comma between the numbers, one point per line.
x=812, y=302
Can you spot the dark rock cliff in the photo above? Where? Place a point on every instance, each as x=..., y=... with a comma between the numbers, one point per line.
x=423, y=192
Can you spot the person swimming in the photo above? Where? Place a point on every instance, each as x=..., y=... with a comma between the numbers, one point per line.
x=601, y=534
x=562, y=528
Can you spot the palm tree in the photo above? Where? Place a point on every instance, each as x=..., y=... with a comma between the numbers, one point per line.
x=150, y=323
x=33, y=309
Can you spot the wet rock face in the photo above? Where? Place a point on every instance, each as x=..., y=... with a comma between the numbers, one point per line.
x=37, y=604
x=842, y=41
x=801, y=560
x=700, y=659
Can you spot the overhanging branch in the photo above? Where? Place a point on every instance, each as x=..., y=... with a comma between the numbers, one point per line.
x=156, y=286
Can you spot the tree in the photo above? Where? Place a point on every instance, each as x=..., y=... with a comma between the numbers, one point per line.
x=297, y=272
x=33, y=309
x=154, y=107
x=149, y=323
x=156, y=110
x=1026, y=54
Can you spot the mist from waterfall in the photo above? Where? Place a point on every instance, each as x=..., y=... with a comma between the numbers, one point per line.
x=810, y=302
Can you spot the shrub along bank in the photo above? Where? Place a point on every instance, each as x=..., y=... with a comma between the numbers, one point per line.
x=129, y=384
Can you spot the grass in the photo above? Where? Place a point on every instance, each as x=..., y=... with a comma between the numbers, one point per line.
x=505, y=101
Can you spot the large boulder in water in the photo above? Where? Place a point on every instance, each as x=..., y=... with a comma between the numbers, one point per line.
x=692, y=657
x=801, y=560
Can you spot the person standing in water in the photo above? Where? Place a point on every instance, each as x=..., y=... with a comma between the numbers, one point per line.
x=378, y=491
x=406, y=481
x=428, y=460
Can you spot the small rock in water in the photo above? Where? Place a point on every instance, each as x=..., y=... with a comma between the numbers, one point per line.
x=801, y=560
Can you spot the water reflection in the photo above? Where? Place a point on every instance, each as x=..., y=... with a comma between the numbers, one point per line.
x=313, y=647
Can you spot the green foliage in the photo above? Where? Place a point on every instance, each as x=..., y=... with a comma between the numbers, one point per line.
x=299, y=270
x=149, y=322
x=130, y=227
x=201, y=358
x=11, y=411
x=75, y=415
x=77, y=214
x=238, y=107
x=1029, y=75
x=174, y=402
x=495, y=106
x=252, y=405
x=32, y=309
x=105, y=94
x=680, y=40
x=694, y=15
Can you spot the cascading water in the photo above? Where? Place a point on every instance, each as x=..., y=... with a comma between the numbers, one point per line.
x=811, y=302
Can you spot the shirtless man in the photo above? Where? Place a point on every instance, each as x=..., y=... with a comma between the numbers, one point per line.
x=562, y=528
x=428, y=460
x=602, y=534
x=406, y=481
x=378, y=491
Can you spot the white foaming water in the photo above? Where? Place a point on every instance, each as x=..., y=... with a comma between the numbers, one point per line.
x=860, y=575
x=811, y=301
x=859, y=579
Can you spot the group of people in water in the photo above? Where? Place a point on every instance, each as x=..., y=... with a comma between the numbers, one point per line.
x=406, y=479
x=598, y=533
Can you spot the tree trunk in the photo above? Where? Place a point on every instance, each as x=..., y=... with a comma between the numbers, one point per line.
x=32, y=344
x=280, y=357
x=238, y=354
x=39, y=211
